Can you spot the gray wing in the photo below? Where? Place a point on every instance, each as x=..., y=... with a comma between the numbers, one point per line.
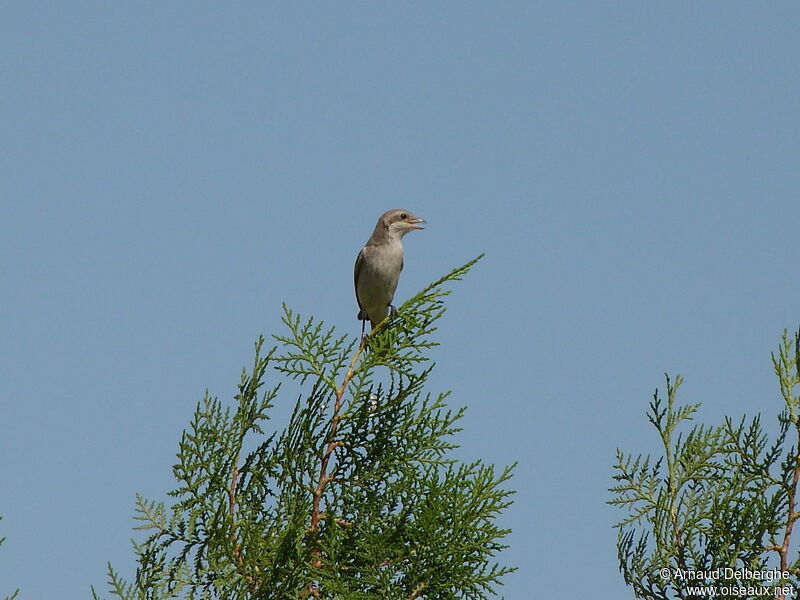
x=356, y=273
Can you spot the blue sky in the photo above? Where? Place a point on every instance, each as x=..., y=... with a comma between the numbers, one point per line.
x=172, y=173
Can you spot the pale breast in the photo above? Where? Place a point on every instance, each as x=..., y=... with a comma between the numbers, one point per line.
x=378, y=276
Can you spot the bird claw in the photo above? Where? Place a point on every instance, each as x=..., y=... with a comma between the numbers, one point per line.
x=392, y=311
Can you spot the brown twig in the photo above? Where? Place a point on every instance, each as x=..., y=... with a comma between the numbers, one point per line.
x=417, y=591
x=316, y=492
x=392, y=561
x=792, y=516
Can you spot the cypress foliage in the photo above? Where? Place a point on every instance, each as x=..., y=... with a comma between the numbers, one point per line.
x=357, y=498
x=714, y=515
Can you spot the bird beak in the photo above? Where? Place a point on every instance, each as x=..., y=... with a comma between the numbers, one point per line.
x=415, y=223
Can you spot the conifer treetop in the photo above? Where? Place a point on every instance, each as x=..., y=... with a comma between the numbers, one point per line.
x=358, y=497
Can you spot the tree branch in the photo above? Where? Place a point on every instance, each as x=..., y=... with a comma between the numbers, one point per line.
x=783, y=550
x=417, y=591
x=316, y=493
x=232, y=510
x=237, y=549
x=792, y=516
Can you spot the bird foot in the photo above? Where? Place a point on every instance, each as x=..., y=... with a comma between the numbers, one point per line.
x=392, y=311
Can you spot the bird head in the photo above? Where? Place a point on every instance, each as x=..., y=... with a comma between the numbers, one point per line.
x=399, y=222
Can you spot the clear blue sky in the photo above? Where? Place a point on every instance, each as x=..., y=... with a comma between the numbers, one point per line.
x=171, y=173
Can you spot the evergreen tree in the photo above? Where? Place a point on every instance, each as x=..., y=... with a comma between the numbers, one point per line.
x=719, y=506
x=357, y=498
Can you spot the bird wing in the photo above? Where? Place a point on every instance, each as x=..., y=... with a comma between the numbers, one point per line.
x=356, y=273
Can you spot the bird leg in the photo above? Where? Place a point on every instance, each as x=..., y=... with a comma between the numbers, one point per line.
x=364, y=336
x=392, y=311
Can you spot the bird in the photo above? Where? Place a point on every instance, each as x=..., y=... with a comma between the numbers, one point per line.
x=378, y=265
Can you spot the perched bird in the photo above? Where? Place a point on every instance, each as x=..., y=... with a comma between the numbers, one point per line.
x=379, y=263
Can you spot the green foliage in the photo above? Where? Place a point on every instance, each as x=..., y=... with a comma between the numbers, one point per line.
x=14, y=595
x=718, y=505
x=356, y=498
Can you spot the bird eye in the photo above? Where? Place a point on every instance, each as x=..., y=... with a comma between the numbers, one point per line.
x=404, y=216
